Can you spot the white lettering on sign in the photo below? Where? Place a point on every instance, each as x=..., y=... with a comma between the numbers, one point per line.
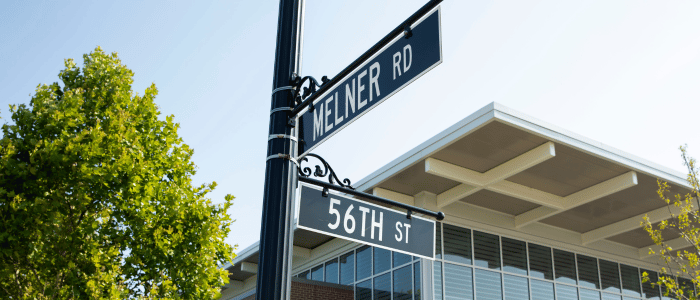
x=407, y=60
x=373, y=80
x=360, y=88
x=377, y=225
x=335, y=212
x=350, y=97
x=349, y=219
x=318, y=121
x=399, y=235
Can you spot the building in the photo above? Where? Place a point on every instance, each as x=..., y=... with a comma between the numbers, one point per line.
x=533, y=212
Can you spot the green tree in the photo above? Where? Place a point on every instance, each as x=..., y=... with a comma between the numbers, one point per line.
x=685, y=221
x=96, y=196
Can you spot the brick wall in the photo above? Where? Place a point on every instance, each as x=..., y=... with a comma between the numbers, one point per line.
x=303, y=289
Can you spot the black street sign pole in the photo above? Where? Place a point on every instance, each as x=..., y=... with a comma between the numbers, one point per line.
x=276, y=237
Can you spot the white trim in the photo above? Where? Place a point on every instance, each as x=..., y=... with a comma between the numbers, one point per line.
x=675, y=244
x=249, y=267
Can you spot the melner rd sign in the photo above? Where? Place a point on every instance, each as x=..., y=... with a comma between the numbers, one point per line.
x=388, y=71
x=366, y=223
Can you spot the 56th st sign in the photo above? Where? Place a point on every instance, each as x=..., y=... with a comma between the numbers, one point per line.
x=395, y=66
x=366, y=223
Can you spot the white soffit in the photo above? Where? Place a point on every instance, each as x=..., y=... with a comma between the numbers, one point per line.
x=497, y=112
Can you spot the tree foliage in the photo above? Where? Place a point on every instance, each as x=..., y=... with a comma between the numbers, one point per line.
x=96, y=196
x=685, y=221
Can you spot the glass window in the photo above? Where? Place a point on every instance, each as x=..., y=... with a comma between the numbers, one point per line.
x=347, y=268
x=588, y=272
x=686, y=285
x=609, y=276
x=458, y=282
x=382, y=287
x=363, y=290
x=566, y=292
x=587, y=294
x=630, y=281
x=607, y=296
x=488, y=285
x=403, y=281
x=564, y=267
x=540, y=261
x=364, y=262
x=416, y=281
x=458, y=244
x=516, y=287
x=651, y=291
x=514, y=256
x=317, y=273
x=382, y=260
x=304, y=275
x=331, y=273
x=401, y=259
x=487, y=252
x=437, y=280
x=542, y=290
x=438, y=240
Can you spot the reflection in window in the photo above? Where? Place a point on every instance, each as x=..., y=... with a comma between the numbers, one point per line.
x=488, y=285
x=588, y=272
x=400, y=259
x=382, y=287
x=651, y=292
x=437, y=280
x=438, y=240
x=458, y=244
x=382, y=260
x=566, y=292
x=609, y=276
x=540, y=261
x=347, y=268
x=317, y=273
x=630, y=280
x=363, y=290
x=515, y=287
x=514, y=256
x=416, y=281
x=607, y=296
x=542, y=290
x=564, y=267
x=487, y=252
x=587, y=294
x=304, y=275
x=364, y=262
x=331, y=273
x=403, y=280
x=458, y=282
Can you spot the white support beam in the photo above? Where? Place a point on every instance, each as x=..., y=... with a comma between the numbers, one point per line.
x=675, y=244
x=426, y=200
x=301, y=252
x=528, y=194
x=629, y=224
x=582, y=197
x=454, y=194
x=391, y=195
x=520, y=163
x=454, y=172
x=234, y=284
x=249, y=267
x=473, y=181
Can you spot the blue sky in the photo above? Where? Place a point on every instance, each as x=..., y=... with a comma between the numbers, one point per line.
x=624, y=73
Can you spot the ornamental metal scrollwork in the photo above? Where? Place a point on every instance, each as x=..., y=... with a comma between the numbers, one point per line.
x=313, y=84
x=323, y=172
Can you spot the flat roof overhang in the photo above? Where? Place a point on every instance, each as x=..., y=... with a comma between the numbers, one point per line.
x=501, y=170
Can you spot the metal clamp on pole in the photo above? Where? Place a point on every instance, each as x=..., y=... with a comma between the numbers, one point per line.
x=282, y=136
x=282, y=88
x=283, y=156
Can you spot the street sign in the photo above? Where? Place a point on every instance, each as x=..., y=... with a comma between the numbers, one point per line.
x=363, y=222
x=393, y=67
